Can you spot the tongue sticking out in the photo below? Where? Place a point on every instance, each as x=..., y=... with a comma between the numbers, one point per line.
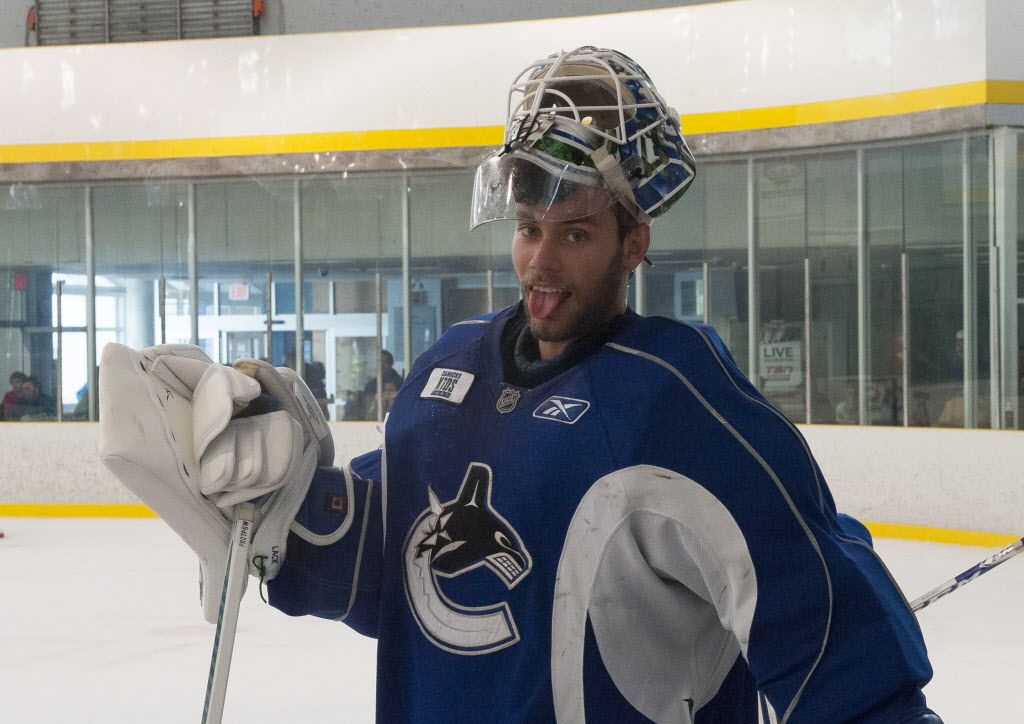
x=543, y=304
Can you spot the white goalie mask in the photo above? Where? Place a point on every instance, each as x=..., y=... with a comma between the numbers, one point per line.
x=585, y=129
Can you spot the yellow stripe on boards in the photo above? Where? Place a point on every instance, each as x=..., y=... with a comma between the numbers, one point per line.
x=137, y=510
x=76, y=510
x=853, y=109
x=1004, y=91
x=941, y=535
x=832, y=111
x=252, y=145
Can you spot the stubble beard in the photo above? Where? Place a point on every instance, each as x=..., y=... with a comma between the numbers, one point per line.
x=589, y=316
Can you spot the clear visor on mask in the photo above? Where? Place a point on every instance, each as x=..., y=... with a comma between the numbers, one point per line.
x=518, y=184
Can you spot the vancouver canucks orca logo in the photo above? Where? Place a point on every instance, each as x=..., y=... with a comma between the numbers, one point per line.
x=449, y=539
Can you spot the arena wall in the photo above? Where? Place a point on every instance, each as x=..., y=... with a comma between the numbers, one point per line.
x=737, y=66
x=966, y=480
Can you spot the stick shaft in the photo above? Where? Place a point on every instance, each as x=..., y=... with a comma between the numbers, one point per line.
x=967, y=576
x=227, y=618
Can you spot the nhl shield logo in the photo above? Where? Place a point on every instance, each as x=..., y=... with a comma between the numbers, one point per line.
x=508, y=400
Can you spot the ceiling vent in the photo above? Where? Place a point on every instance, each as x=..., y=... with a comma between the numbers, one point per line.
x=74, y=22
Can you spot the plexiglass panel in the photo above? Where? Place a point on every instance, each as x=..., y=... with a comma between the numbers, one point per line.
x=385, y=258
x=452, y=269
x=42, y=280
x=140, y=234
x=246, y=245
x=883, y=211
x=699, y=250
x=351, y=252
x=832, y=280
x=933, y=229
x=780, y=188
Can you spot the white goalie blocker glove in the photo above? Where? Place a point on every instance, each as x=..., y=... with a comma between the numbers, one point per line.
x=170, y=431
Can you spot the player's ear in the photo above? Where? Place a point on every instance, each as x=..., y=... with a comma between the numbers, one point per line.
x=635, y=246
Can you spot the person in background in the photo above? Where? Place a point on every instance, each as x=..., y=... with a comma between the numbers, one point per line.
x=33, y=403
x=390, y=379
x=847, y=411
x=388, y=374
x=12, y=395
x=389, y=392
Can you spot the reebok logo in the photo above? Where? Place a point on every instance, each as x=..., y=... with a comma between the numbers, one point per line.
x=448, y=385
x=562, y=409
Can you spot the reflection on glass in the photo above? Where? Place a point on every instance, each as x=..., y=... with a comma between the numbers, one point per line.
x=449, y=262
x=727, y=286
x=675, y=282
x=42, y=241
x=140, y=234
x=351, y=243
x=353, y=295
x=780, y=188
x=883, y=194
x=699, y=250
x=832, y=268
x=933, y=200
x=979, y=245
x=1013, y=416
x=244, y=233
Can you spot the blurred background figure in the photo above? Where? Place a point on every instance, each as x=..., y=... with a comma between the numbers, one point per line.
x=33, y=403
x=391, y=382
x=389, y=390
x=12, y=396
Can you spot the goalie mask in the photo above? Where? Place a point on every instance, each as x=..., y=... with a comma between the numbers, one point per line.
x=586, y=129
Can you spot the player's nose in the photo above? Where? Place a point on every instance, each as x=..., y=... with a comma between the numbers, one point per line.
x=546, y=252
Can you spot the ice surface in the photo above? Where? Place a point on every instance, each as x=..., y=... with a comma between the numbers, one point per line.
x=100, y=622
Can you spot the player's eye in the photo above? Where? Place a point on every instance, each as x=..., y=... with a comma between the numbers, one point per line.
x=576, y=236
x=525, y=228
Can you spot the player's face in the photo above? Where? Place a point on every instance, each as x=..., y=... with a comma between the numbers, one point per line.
x=573, y=274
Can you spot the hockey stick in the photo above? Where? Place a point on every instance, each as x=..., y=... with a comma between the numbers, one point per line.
x=967, y=576
x=227, y=617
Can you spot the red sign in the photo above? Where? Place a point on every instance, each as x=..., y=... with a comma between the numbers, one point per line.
x=20, y=281
x=239, y=292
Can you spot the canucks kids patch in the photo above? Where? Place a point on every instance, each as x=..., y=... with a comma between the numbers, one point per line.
x=448, y=385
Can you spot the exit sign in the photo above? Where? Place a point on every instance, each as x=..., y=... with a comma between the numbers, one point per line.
x=239, y=292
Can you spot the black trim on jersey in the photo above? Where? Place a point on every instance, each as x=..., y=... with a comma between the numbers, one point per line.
x=520, y=355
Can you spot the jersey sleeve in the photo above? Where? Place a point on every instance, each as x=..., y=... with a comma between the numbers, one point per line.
x=333, y=566
x=732, y=507
x=832, y=636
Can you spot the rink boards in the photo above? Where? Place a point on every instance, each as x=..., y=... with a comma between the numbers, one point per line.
x=905, y=481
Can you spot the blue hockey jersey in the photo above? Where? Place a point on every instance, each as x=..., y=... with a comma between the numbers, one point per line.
x=641, y=538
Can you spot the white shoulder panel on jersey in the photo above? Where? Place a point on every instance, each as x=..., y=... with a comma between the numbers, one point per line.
x=615, y=574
